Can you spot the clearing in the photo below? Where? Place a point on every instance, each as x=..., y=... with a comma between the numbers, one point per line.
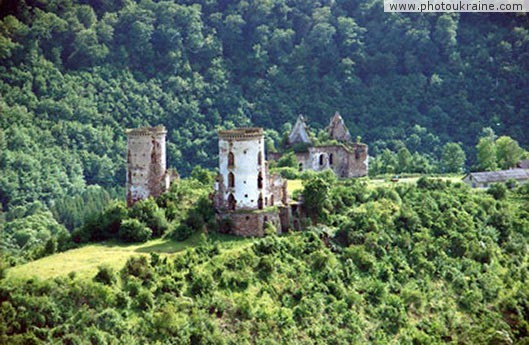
x=84, y=261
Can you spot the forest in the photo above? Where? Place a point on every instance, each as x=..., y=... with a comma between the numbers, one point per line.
x=75, y=73
x=421, y=263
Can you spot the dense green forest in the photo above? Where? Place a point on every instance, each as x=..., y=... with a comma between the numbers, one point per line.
x=428, y=263
x=432, y=262
x=75, y=73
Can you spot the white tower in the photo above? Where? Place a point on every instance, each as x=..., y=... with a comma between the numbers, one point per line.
x=242, y=169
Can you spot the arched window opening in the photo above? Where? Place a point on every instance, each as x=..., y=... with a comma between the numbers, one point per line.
x=231, y=180
x=231, y=159
x=300, y=167
x=231, y=202
x=321, y=159
x=330, y=159
x=260, y=180
x=260, y=202
x=260, y=158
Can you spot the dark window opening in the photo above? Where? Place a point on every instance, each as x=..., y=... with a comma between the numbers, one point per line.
x=266, y=201
x=260, y=202
x=231, y=202
x=265, y=219
x=231, y=180
x=259, y=158
x=330, y=159
x=260, y=180
x=321, y=159
x=231, y=159
x=357, y=154
x=300, y=167
x=153, y=152
x=272, y=200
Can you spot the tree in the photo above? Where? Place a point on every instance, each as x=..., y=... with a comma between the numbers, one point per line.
x=486, y=154
x=316, y=198
x=404, y=158
x=453, y=158
x=508, y=152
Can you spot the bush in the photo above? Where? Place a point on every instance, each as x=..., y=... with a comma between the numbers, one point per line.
x=132, y=230
x=288, y=173
x=148, y=212
x=105, y=275
x=498, y=191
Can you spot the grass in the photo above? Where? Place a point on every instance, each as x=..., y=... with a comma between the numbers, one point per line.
x=294, y=185
x=84, y=261
x=386, y=182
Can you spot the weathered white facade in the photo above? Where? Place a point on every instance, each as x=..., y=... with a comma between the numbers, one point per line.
x=242, y=168
x=246, y=196
x=146, y=163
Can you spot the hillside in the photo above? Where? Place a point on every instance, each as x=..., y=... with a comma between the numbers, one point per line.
x=423, y=263
x=74, y=74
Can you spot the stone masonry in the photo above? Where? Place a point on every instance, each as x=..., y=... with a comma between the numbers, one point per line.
x=147, y=174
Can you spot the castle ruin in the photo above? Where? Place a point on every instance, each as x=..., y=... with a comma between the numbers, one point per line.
x=147, y=174
x=246, y=195
x=343, y=156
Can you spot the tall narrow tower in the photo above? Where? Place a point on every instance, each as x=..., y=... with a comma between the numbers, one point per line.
x=146, y=167
x=242, y=169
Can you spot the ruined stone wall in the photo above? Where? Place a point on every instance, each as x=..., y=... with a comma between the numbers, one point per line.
x=275, y=190
x=304, y=161
x=334, y=157
x=146, y=163
x=273, y=156
x=249, y=223
x=358, y=164
x=345, y=161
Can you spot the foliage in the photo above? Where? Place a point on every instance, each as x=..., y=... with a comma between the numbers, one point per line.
x=453, y=158
x=75, y=75
x=132, y=230
x=410, y=263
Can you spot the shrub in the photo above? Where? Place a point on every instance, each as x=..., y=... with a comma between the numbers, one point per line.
x=105, y=275
x=148, y=212
x=145, y=300
x=498, y=191
x=182, y=232
x=132, y=230
x=139, y=267
x=288, y=173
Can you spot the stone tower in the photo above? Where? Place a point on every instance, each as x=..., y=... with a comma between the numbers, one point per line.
x=242, y=169
x=146, y=167
x=246, y=196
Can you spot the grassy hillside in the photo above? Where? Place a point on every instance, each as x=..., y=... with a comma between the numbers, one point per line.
x=422, y=263
x=84, y=261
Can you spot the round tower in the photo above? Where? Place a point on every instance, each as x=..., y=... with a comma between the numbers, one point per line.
x=146, y=166
x=242, y=169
